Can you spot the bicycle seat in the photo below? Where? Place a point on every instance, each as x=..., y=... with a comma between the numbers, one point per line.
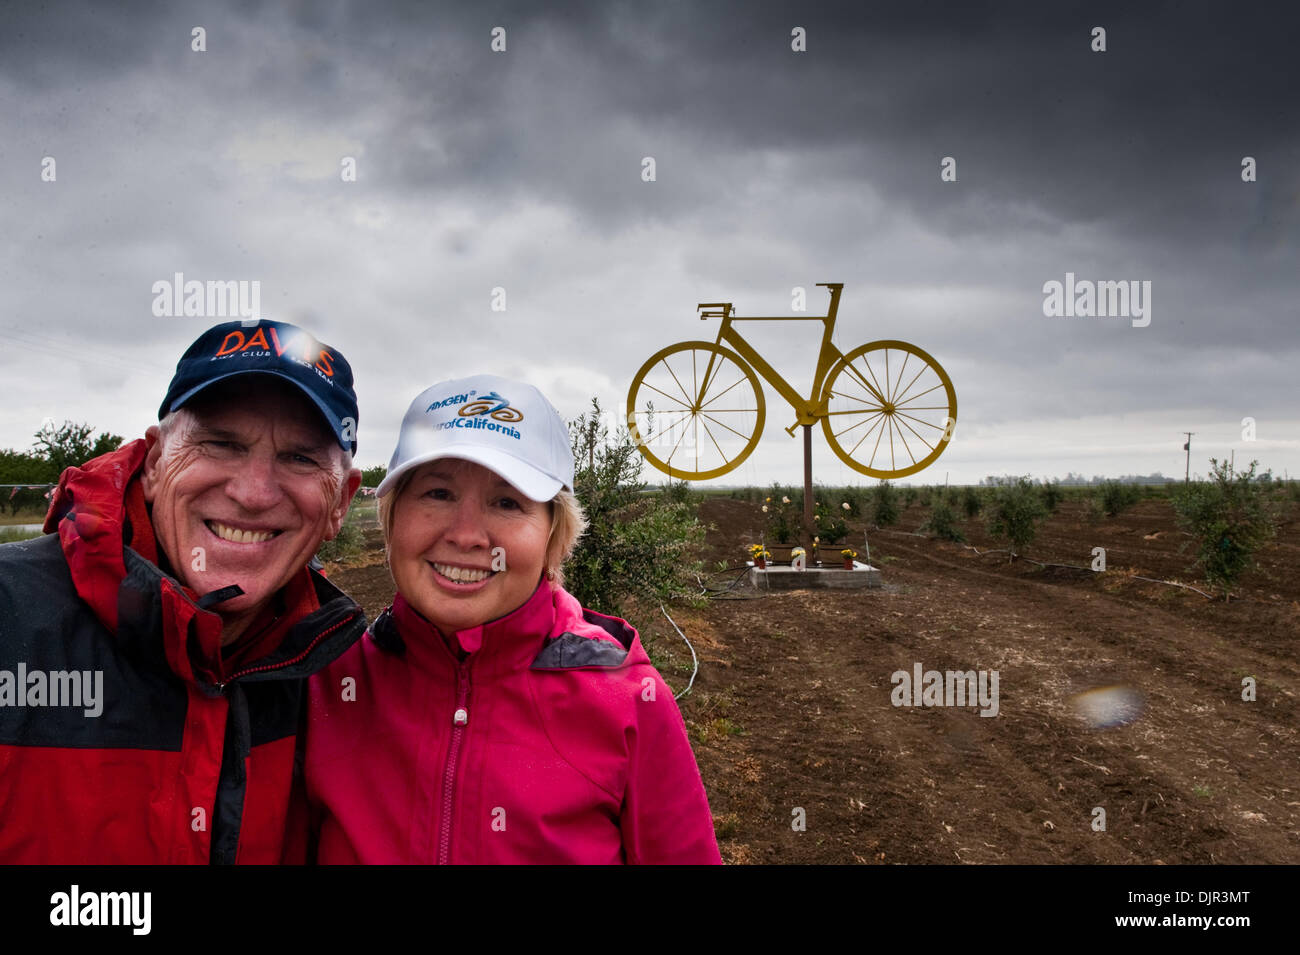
x=725, y=313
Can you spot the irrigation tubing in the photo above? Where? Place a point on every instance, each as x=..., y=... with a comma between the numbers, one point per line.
x=694, y=659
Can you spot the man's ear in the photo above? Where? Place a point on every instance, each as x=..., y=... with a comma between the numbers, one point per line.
x=152, y=457
x=351, y=482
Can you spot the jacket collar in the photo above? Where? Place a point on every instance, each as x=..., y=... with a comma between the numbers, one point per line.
x=551, y=630
x=499, y=644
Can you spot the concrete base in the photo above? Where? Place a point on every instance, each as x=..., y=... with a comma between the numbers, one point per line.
x=785, y=577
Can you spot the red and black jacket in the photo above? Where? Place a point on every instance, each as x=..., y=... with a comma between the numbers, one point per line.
x=191, y=758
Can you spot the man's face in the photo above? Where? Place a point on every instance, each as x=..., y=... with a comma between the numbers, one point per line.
x=245, y=489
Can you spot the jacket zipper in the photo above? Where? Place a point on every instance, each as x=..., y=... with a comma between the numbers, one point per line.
x=459, y=720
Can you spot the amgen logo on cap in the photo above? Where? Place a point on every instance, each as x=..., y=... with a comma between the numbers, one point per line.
x=502, y=424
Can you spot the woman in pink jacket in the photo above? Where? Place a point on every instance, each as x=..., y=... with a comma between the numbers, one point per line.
x=486, y=717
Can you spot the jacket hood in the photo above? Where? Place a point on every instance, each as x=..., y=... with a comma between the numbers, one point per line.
x=100, y=515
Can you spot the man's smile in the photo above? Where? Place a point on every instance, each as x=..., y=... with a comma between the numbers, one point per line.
x=236, y=535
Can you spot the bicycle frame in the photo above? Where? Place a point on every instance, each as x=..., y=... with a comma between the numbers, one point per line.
x=809, y=409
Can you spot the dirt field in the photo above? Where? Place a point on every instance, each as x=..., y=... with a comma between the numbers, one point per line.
x=791, y=708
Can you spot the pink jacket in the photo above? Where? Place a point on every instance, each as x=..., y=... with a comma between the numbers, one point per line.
x=555, y=741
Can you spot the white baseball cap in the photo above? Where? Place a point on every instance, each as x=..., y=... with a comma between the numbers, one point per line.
x=506, y=426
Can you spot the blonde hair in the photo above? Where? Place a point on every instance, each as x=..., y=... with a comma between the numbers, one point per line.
x=567, y=524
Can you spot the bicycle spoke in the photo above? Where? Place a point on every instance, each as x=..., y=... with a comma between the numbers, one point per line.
x=899, y=400
x=669, y=459
x=715, y=441
x=666, y=395
x=679, y=384
x=712, y=372
x=902, y=437
x=865, y=384
x=721, y=393
x=850, y=398
x=669, y=429
x=927, y=391
x=867, y=435
x=928, y=446
x=878, y=391
x=902, y=371
x=860, y=424
x=928, y=424
x=720, y=424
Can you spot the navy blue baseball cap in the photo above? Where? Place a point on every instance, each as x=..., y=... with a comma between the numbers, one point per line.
x=270, y=348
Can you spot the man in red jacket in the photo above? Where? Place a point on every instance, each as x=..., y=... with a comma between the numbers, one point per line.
x=154, y=646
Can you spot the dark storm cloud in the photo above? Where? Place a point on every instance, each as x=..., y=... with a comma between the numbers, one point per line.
x=773, y=169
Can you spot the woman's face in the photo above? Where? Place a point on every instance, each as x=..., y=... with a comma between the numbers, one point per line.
x=448, y=524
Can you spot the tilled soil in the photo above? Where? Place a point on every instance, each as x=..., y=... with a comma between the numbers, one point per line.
x=806, y=759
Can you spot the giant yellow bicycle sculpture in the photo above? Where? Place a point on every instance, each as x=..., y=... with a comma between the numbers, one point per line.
x=858, y=398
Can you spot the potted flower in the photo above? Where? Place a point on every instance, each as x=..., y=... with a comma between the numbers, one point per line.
x=848, y=554
x=760, y=555
x=796, y=554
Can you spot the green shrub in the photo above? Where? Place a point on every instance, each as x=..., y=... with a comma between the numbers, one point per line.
x=1051, y=495
x=909, y=497
x=1117, y=497
x=635, y=545
x=1014, y=510
x=1229, y=518
x=884, y=506
x=348, y=544
x=830, y=525
x=783, y=517
x=942, y=522
x=856, y=498
x=971, y=502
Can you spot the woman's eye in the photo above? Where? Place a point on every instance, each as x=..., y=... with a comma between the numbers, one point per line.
x=510, y=504
x=438, y=493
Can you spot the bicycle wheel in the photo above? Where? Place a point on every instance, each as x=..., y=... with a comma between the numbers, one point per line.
x=695, y=410
x=890, y=407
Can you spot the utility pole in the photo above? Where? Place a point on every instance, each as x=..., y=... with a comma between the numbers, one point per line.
x=1188, y=448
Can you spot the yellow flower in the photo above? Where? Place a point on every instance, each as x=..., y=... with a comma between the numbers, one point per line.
x=785, y=500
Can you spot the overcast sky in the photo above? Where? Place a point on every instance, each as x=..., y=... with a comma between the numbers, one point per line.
x=774, y=169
